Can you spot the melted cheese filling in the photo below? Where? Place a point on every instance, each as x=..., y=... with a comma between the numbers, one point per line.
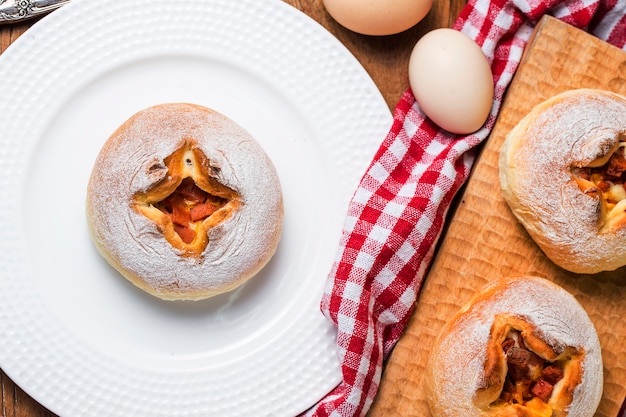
x=605, y=178
x=530, y=379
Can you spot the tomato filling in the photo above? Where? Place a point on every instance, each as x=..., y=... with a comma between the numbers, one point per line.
x=529, y=377
x=187, y=206
x=606, y=180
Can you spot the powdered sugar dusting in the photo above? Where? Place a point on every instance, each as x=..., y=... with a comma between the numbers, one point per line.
x=459, y=353
x=569, y=130
x=132, y=161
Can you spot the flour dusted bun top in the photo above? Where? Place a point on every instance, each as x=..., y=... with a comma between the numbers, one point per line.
x=562, y=173
x=184, y=203
x=522, y=346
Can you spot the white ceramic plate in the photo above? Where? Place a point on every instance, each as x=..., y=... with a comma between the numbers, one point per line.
x=74, y=334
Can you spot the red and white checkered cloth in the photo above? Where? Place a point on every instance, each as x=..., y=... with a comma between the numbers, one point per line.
x=397, y=213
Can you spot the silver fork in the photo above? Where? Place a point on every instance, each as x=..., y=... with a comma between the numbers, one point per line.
x=17, y=10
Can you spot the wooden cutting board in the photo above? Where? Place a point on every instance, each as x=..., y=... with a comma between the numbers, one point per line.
x=484, y=241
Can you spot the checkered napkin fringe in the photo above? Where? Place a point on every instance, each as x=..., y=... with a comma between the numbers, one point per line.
x=396, y=215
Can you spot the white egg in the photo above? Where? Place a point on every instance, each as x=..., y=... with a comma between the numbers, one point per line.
x=451, y=80
x=378, y=17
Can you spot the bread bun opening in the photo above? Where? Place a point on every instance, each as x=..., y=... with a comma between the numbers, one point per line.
x=188, y=201
x=604, y=178
x=525, y=375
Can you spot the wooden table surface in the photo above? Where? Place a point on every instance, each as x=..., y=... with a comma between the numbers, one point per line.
x=384, y=58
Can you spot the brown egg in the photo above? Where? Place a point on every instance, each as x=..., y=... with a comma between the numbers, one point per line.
x=451, y=80
x=378, y=17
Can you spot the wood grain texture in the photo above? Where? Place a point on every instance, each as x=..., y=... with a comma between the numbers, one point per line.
x=484, y=241
x=384, y=58
x=8, y=34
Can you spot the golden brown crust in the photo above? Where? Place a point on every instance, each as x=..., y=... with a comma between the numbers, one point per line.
x=542, y=161
x=471, y=369
x=182, y=156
